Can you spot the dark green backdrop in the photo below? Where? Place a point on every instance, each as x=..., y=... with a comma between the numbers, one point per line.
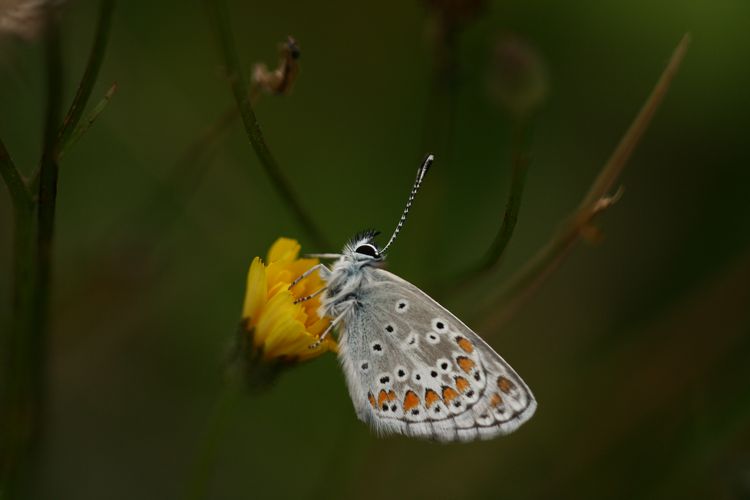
x=636, y=348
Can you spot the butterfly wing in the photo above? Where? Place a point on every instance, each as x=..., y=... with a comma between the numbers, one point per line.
x=413, y=368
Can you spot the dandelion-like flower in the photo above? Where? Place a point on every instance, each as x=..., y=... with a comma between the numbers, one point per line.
x=274, y=327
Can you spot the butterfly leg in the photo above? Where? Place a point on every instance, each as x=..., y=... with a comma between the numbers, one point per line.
x=312, y=295
x=323, y=335
x=322, y=270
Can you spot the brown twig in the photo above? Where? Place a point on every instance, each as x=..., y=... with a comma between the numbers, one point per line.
x=521, y=286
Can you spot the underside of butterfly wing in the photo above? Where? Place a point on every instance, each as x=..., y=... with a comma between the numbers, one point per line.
x=413, y=368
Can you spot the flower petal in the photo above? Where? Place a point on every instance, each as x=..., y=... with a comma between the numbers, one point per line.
x=277, y=327
x=257, y=290
x=285, y=249
x=282, y=329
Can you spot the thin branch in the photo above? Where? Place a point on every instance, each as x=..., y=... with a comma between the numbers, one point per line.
x=533, y=274
x=56, y=138
x=24, y=396
x=19, y=193
x=48, y=173
x=203, y=467
x=17, y=403
x=219, y=17
x=614, y=166
x=520, y=160
x=82, y=128
x=90, y=75
x=83, y=93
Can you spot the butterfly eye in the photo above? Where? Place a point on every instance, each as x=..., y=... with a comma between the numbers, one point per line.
x=367, y=249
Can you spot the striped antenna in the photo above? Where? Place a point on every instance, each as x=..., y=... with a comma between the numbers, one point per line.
x=420, y=175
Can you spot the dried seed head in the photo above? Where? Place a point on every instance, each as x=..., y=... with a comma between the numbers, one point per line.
x=281, y=79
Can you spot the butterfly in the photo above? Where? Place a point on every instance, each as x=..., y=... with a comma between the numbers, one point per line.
x=412, y=367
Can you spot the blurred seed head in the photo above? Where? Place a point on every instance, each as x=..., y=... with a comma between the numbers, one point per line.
x=27, y=18
x=517, y=76
x=280, y=80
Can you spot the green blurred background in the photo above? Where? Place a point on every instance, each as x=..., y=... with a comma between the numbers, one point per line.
x=636, y=348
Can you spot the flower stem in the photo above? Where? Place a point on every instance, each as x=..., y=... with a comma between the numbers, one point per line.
x=90, y=119
x=16, y=401
x=90, y=75
x=67, y=133
x=21, y=414
x=219, y=18
x=520, y=160
x=47, y=196
x=204, y=464
x=546, y=261
x=55, y=139
x=19, y=192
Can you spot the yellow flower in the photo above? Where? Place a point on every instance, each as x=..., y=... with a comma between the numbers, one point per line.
x=280, y=329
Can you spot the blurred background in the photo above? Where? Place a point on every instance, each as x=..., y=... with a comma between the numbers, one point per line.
x=636, y=348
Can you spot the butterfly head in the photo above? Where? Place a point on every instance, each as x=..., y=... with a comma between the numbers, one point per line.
x=362, y=248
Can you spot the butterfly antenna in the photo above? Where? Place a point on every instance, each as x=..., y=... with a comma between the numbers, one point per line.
x=420, y=175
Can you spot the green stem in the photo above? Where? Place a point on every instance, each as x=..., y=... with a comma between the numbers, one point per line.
x=18, y=406
x=90, y=75
x=204, y=465
x=19, y=192
x=219, y=17
x=55, y=139
x=520, y=159
x=48, y=173
x=65, y=132
x=90, y=119
x=24, y=396
x=23, y=407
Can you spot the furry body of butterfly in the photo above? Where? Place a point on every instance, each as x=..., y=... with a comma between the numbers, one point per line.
x=411, y=366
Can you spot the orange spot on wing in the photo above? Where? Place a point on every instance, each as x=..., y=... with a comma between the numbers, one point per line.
x=496, y=400
x=371, y=398
x=391, y=395
x=465, y=344
x=462, y=384
x=411, y=400
x=465, y=363
x=504, y=384
x=430, y=397
x=382, y=397
x=449, y=394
